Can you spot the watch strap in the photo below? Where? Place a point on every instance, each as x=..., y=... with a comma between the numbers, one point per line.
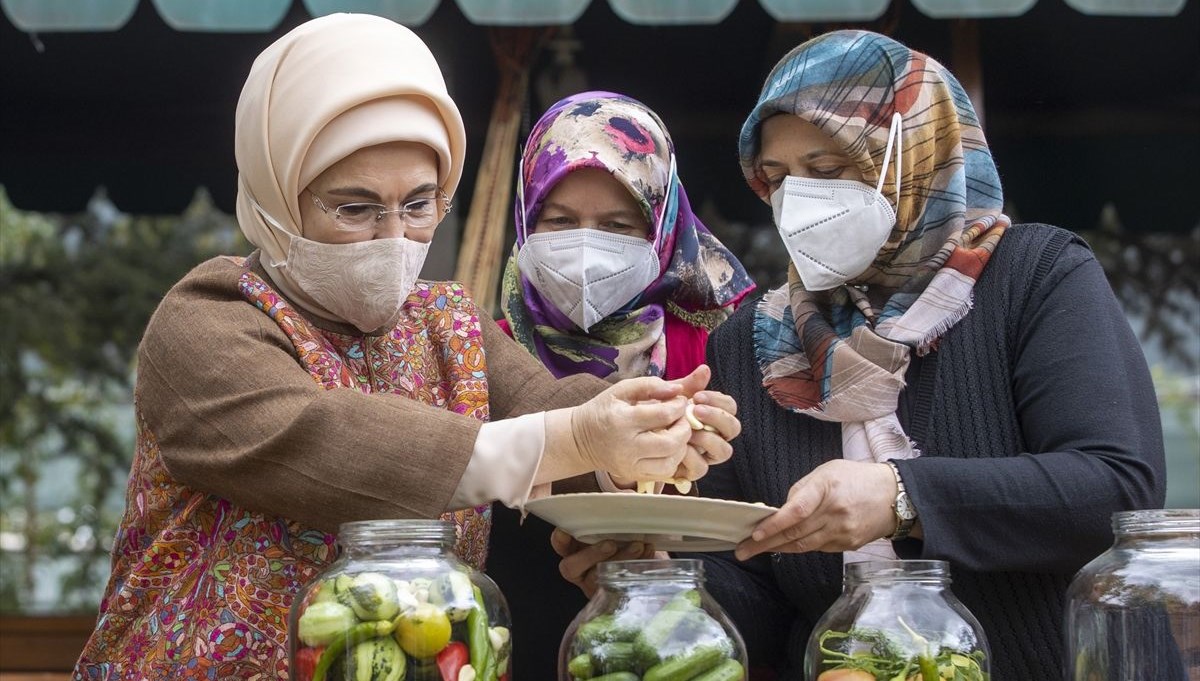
x=904, y=523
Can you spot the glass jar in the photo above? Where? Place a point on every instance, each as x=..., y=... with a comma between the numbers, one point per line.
x=898, y=619
x=398, y=605
x=1133, y=613
x=652, y=620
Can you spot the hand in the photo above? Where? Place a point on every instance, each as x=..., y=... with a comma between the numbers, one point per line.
x=840, y=506
x=714, y=410
x=634, y=430
x=579, y=560
x=717, y=411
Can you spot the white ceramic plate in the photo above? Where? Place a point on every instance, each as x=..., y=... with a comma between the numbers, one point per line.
x=670, y=522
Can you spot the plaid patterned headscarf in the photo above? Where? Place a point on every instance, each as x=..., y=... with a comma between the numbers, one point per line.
x=701, y=281
x=829, y=354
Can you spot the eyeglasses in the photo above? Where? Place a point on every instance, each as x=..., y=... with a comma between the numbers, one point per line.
x=416, y=214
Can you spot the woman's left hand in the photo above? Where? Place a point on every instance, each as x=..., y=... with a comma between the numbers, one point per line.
x=714, y=410
x=579, y=560
x=840, y=506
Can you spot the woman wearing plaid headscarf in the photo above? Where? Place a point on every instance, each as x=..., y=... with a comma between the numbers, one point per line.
x=922, y=341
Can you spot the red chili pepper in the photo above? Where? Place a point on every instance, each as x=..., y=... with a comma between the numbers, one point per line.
x=306, y=663
x=452, y=658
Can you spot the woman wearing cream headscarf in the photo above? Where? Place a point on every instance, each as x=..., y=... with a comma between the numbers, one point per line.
x=318, y=381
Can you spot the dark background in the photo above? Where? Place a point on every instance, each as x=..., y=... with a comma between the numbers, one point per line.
x=1080, y=110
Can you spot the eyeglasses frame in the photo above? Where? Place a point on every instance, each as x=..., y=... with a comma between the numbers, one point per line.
x=403, y=210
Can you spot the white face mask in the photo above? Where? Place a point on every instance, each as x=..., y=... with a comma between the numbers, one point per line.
x=588, y=274
x=365, y=283
x=833, y=229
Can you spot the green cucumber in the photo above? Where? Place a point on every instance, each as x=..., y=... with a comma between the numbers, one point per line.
x=580, y=667
x=602, y=629
x=615, y=656
x=729, y=670
x=683, y=667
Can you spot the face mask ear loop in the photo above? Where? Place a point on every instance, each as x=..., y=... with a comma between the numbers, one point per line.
x=895, y=134
x=524, y=226
x=672, y=175
x=273, y=222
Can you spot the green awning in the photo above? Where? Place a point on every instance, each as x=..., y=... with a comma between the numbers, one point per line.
x=44, y=16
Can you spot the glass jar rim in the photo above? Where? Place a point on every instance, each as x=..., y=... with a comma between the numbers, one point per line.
x=1156, y=521
x=395, y=531
x=898, y=571
x=657, y=569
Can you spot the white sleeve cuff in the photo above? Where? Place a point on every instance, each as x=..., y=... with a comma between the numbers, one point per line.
x=503, y=464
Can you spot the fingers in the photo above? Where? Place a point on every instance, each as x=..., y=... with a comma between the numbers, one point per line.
x=794, y=539
x=563, y=543
x=646, y=388
x=695, y=381
x=726, y=423
x=650, y=416
x=693, y=467
x=575, y=566
x=711, y=446
x=671, y=446
x=579, y=568
x=716, y=399
x=791, y=524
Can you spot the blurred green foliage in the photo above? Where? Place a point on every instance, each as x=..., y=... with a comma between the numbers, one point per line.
x=77, y=292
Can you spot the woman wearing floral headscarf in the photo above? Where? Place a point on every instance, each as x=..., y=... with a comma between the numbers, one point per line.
x=921, y=339
x=635, y=295
x=612, y=275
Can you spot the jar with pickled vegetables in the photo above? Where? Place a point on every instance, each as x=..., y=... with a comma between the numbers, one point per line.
x=398, y=605
x=1133, y=613
x=897, y=620
x=652, y=620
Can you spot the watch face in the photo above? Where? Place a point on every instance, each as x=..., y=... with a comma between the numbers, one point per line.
x=904, y=507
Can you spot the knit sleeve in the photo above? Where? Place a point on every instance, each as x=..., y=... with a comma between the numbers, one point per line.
x=1089, y=419
x=745, y=589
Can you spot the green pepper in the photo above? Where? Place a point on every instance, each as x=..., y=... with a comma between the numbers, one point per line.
x=929, y=670
x=483, y=658
x=357, y=634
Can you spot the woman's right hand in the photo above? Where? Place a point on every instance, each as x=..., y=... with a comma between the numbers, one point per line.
x=635, y=429
x=579, y=560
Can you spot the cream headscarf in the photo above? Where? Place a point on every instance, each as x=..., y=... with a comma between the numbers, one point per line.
x=328, y=88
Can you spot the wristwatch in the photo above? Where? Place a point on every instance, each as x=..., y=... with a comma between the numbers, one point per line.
x=906, y=513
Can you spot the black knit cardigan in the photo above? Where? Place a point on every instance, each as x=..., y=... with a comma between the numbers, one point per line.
x=1036, y=420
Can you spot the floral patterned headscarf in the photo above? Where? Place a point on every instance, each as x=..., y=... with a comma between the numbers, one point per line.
x=831, y=355
x=701, y=280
